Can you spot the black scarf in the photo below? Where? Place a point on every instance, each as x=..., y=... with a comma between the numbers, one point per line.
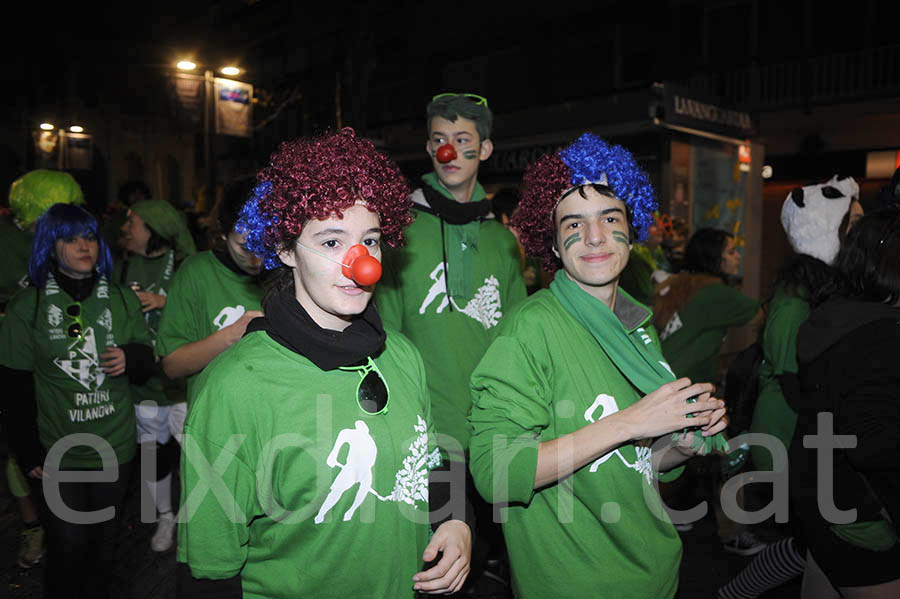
x=289, y=324
x=451, y=211
x=79, y=289
x=224, y=256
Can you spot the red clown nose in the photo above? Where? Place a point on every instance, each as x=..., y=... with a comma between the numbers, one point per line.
x=360, y=266
x=446, y=153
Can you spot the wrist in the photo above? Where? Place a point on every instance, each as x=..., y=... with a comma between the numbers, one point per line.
x=619, y=428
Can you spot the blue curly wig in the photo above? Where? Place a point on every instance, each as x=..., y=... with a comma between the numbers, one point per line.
x=59, y=222
x=586, y=160
x=253, y=222
x=591, y=159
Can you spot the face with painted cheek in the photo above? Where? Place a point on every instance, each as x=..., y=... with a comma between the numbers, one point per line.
x=470, y=150
x=330, y=298
x=77, y=256
x=592, y=238
x=249, y=262
x=731, y=258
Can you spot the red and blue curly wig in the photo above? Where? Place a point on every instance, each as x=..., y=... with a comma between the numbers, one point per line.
x=315, y=178
x=587, y=160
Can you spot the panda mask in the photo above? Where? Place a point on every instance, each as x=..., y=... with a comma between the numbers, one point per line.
x=811, y=216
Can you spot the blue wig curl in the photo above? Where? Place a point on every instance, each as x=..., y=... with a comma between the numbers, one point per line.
x=252, y=224
x=59, y=222
x=592, y=160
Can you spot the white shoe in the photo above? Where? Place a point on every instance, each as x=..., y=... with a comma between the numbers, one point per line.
x=164, y=537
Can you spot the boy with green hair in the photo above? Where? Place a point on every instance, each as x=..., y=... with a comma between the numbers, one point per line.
x=459, y=272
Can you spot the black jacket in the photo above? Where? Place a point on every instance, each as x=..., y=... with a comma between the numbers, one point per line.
x=850, y=366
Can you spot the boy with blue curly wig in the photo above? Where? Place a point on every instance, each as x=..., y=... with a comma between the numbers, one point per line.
x=573, y=392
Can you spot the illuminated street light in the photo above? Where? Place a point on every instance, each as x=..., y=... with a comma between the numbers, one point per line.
x=186, y=65
x=76, y=129
x=46, y=126
x=231, y=71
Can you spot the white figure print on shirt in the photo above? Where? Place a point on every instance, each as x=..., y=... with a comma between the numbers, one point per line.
x=228, y=315
x=82, y=362
x=357, y=469
x=410, y=481
x=608, y=406
x=483, y=307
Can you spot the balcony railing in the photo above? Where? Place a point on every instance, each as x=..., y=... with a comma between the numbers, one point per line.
x=838, y=77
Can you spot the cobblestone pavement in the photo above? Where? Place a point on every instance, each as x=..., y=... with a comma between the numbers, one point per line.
x=143, y=574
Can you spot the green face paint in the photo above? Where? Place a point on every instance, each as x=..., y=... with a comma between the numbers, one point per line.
x=571, y=240
x=470, y=154
x=620, y=237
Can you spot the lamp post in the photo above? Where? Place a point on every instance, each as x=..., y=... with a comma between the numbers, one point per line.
x=209, y=128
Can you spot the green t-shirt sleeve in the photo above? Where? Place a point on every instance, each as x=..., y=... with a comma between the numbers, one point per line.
x=509, y=411
x=136, y=330
x=724, y=306
x=218, y=478
x=179, y=323
x=16, y=332
x=214, y=534
x=388, y=298
x=780, y=334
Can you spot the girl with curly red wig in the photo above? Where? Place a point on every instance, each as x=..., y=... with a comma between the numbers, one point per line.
x=319, y=372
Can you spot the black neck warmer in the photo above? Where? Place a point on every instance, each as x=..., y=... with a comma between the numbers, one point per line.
x=224, y=256
x=79, y=289
x=451, y=211
x=289, y=324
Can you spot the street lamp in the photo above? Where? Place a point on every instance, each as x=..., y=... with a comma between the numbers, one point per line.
x=209, y=125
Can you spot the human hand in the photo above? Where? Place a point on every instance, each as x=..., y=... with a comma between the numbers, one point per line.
x=151, y=301
x=112, y=361
x=236, y=330
x=718, y=422
x=36, y=472
x=452, y=539
x=666, y=410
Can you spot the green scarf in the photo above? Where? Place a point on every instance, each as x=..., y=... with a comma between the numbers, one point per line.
x=459, y=242
x=640, y=362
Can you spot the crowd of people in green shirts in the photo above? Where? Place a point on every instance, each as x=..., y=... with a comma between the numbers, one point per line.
x=365, y=398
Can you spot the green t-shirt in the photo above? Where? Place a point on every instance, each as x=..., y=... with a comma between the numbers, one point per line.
x=328, y=501
x=772, y=414
x=154, y=275
x=15, y=247
x=205, y=297
x=73, y=393
x=692, y=339
x=593, y=533
x=412, y=298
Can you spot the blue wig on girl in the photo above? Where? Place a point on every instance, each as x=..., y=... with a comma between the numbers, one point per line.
x=62, y=221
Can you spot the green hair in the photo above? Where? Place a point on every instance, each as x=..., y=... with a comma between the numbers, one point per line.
x=453, y=107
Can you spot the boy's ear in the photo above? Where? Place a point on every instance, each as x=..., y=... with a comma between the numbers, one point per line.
x=487, y=148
